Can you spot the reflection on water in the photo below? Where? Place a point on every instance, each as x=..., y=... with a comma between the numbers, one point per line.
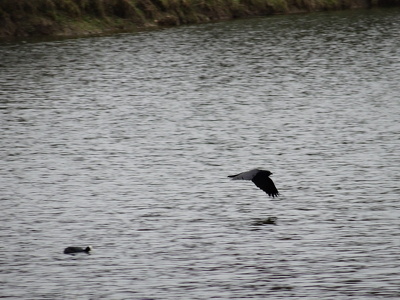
x=124, y=143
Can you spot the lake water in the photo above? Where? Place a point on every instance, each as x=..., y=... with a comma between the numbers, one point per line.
x=125, y=142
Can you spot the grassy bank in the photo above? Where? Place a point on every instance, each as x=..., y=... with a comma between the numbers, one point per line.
x=80, y=17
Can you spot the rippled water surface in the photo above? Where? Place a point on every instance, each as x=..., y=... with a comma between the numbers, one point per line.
x=124, y=143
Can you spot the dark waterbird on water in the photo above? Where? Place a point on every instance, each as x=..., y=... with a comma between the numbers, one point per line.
x=261, y=179
x=74, y=250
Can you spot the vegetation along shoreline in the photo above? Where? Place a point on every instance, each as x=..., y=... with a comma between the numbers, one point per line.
x=22, y=18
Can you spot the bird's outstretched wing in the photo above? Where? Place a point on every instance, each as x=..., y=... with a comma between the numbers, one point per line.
x=248, y=175
x=266, y=184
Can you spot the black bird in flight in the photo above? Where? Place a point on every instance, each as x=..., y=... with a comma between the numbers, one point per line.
x=261, y=179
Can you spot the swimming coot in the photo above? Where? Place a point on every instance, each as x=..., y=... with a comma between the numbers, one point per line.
x=73, y=250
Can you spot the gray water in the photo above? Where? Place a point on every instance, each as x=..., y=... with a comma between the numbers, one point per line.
x=124, y=143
